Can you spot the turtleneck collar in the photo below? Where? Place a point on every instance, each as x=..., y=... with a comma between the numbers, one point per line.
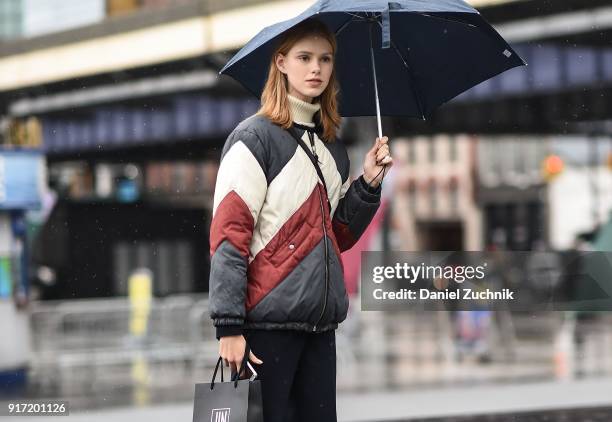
x=302, y=112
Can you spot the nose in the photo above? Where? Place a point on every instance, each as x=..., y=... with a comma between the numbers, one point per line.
x=317, y=66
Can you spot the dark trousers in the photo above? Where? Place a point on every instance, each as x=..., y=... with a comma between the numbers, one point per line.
x=298, y=374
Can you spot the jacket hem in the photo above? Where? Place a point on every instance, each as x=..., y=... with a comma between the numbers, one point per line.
x=299, y=326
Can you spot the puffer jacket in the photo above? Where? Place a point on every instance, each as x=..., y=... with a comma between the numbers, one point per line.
x=274, y=243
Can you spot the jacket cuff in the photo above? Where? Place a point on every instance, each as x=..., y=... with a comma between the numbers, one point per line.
x=228, y=330
x=367, y=192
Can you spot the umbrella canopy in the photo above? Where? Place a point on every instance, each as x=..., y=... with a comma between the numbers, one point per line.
x=425, y=53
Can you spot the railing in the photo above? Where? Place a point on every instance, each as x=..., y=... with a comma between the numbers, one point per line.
x=85, y=349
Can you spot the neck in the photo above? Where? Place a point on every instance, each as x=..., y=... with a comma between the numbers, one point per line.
x=301, y=111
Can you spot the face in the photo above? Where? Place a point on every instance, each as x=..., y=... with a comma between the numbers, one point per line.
x=310, y=58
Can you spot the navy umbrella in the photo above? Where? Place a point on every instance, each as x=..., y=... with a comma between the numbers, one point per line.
x=400, y=58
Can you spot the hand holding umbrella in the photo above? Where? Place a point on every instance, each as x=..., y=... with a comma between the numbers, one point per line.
x=376, y=161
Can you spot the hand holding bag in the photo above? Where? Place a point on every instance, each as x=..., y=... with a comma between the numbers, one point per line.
x=233, y=401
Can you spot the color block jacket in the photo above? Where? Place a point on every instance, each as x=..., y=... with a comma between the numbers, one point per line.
x=274, y=244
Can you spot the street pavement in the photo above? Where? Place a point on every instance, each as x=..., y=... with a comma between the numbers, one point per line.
x=550, y=401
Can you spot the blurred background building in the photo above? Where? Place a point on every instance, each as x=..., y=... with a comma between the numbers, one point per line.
x=113, y=114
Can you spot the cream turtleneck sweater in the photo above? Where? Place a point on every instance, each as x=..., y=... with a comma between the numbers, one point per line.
x=302, y=112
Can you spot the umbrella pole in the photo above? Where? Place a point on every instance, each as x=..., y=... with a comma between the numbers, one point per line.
x=377, y=102
x=375, y=86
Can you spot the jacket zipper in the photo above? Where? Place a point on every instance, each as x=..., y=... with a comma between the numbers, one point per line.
x=311, y=137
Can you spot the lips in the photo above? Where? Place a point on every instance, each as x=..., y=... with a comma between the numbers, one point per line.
x=314, y=80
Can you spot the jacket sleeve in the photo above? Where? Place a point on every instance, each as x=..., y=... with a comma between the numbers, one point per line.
x=356, y=208
x=240, y=191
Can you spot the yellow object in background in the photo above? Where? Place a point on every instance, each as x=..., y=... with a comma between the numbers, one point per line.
x=119, y=7
x=140, y=377
x=140, y=285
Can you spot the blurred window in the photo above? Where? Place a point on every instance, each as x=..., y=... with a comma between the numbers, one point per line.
x=412, y=196
x=431, y=148
x=452, y=153
x=433, y=195
x=411, y=151
x=453, y=189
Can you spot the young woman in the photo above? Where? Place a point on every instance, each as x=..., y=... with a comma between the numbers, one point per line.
x=278, y=229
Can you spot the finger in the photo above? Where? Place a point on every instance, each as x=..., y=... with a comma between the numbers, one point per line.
x=383, y=163
x=381, y=141
x=375, y=146
x=254, y=358
x=381, y=157
x=383, y=150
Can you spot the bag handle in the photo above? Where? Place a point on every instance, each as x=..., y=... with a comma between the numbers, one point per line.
x=245, y=360
x=212, y=382
x=301, y=143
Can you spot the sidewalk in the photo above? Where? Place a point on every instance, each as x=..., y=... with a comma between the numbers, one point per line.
x=484, y=399
x=440, y=402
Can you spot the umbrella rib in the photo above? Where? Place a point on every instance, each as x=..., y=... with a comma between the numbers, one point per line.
x=344, y=25
x=415, y=91
x=448, y=19
x=355, y=16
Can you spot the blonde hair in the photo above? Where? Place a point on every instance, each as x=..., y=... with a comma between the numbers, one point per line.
x=274, y=100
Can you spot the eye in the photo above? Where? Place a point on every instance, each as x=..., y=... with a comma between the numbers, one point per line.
x=304, y=57
x=327, y=59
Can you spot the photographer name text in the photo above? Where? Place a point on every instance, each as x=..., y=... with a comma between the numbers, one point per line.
x=426, y=294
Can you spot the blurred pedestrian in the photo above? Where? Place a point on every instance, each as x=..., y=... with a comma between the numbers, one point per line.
x=284, y=210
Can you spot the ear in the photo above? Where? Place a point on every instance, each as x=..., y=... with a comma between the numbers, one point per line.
x=280, y=62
